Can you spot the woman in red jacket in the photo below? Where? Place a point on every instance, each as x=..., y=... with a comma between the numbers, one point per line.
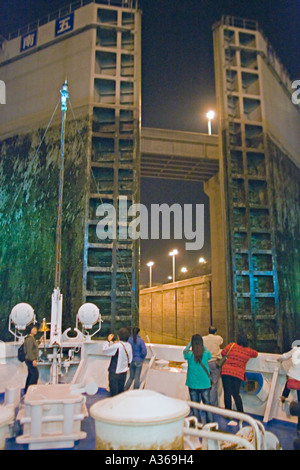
x=234, y=369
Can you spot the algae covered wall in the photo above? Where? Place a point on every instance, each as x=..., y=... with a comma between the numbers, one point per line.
x=286, y=197
x=28, y=216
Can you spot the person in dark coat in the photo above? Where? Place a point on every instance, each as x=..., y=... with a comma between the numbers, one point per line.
x=31, y=347
x=139, y=352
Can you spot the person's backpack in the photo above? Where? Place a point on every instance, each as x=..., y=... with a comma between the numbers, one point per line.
x=21, y=352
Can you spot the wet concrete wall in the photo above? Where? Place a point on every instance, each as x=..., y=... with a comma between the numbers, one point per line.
x=286, y=197
x=28, y=215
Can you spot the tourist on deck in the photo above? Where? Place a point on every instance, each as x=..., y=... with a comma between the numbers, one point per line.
x=121, y=352
x=234, y=370
x=293, y=376
x=212, y=342
x=31, y=348
x=139, y=352
x=198, y=378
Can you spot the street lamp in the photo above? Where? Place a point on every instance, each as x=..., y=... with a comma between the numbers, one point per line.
x=173, y=254
x=210, y=115
x=202, y=260
x=150, y=264
x=184, y=269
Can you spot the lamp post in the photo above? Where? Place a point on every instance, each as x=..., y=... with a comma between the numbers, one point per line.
x=150, y=264
x=210, y=115
x=173, y=254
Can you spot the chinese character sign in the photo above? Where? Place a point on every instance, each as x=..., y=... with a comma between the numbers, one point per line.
x=64, y=24
x=28, y=41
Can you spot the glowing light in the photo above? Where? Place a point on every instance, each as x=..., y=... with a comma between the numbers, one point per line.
x=150, y=264
x=173, y=253
x=210, y=115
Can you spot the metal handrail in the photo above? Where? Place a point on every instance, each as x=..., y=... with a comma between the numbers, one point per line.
x=258, y=440
x=219, y=436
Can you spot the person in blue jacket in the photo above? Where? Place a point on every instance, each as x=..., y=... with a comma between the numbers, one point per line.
x=198, y=378
x=139, y=352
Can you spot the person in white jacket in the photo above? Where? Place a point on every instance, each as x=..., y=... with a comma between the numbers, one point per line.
x=213, y=342
x=121, y=356
x=293, y=376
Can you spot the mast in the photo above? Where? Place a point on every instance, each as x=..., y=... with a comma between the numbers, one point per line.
x=64, y=97
x=56, y=305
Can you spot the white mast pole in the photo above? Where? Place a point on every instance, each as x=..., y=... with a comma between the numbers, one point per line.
x=56, y=306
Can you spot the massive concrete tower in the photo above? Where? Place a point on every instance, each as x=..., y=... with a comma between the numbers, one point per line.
x=259, y=136
x=96, y=46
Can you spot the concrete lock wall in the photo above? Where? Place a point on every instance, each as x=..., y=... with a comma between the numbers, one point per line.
x=172, y=313
x=256, y=190
x=28, y=214
x=97, y=48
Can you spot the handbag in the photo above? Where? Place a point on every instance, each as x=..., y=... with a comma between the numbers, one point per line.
x=221, y=362
x=21, y=353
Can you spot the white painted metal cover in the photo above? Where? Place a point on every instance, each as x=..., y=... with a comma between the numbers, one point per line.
x=139, y=407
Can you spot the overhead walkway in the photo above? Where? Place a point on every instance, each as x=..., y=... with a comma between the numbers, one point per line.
x=178, y=155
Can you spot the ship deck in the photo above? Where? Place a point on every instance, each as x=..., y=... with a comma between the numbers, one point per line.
x=285, y=431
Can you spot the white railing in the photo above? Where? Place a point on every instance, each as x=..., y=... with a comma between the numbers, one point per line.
x=257, y=427
x=216, y=436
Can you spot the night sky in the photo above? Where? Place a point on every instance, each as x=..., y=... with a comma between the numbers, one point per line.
x=178, y=82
